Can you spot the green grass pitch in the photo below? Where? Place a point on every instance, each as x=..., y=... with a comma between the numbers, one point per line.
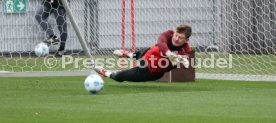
x=64, y=100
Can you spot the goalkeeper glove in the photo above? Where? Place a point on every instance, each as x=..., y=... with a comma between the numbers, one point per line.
x=172, y=57
x=176, y=59
x=183, y=60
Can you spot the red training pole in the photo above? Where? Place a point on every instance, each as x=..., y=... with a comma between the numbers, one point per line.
x=123, y=28
x=132, y=7
x=123, y=23
x=132, y=26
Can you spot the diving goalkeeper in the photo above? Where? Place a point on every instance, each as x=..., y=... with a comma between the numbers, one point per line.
x=172, y=46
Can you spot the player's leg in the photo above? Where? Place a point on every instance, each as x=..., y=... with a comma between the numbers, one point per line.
x=41, y=16
x=60, y=16
x=135, y=74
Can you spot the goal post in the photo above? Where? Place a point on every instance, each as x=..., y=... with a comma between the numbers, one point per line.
x=83, y=43
x=232, y=39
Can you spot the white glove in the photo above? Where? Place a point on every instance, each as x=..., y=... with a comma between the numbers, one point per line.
x=183, y=60
x=176, y=59
x=172, y=57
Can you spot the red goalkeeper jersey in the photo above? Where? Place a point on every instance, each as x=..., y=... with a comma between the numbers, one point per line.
x=156, y=59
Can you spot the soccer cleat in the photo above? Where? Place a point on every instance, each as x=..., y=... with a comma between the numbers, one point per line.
x=123, y=53
x=100, y=71
x=60, y=53
x=52, y=41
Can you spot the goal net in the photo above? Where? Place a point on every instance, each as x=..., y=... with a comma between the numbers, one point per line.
x=232, y=39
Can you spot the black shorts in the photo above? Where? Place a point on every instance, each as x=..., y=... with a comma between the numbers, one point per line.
x=136, y=74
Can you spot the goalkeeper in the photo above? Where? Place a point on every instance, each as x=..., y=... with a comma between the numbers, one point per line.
x=53, y=7
x=172, y=46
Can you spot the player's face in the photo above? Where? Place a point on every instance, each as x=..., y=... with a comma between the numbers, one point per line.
x=179, y=39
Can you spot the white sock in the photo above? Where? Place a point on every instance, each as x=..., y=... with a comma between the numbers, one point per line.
x=108, y=73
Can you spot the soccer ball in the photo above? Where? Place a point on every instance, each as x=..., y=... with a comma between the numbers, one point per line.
x=93, y=83
x=41, y=50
